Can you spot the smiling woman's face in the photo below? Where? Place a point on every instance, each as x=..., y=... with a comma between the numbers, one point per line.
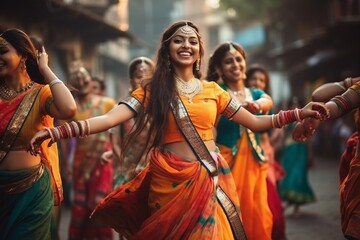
x=9, y=58
x=184, y=49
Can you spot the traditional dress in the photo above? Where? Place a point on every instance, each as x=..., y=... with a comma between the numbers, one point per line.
x=349, y=172
x=295, y=188
x=92, y=180
x=26, y=209
x=241, y=149
x=174, y=198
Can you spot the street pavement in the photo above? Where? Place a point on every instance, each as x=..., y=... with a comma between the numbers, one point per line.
x=316, y=221
x=319, y=220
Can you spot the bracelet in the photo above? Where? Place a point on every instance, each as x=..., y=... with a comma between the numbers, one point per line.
x=54, y=82
x=348, y=82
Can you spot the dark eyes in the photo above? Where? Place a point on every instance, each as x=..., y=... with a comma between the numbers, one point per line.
x=231, y=60
x=180, y=40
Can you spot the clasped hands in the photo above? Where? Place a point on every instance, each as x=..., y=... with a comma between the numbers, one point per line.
x=305, y=129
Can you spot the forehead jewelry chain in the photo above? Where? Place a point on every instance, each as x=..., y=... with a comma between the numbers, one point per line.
x=188, y=89
x=7, y=93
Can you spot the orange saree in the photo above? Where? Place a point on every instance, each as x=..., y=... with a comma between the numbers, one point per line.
x=149, y=206
x=250, y=178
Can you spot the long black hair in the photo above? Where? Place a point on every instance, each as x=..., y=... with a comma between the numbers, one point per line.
x=24, y=46
x=161, y=91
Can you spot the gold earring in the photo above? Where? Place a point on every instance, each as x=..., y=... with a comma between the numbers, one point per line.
x=197, y=67
x=23, y=65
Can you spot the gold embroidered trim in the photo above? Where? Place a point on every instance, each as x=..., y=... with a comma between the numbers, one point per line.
x=231, y=213
x=133, y=103
x=16, y=122
x=23, y=184
x=231, y=109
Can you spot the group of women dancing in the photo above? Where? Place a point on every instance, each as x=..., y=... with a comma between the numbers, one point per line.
x=205, y=172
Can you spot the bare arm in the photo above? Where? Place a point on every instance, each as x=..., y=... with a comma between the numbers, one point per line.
x=328, y=90
x=64, y=106
x=260, y=123
x=97, y=124
x=354, y=102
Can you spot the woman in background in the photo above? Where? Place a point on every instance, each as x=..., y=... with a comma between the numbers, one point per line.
x=257, y=76
x=239, y=145
x=297, y=158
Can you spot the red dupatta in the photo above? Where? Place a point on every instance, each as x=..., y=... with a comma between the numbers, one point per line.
x=13, y=115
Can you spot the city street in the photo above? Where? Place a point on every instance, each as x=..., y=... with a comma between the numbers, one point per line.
x=317, y=221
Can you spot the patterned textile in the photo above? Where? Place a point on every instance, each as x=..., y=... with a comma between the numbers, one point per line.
x=349, y=173
x=92, y=180
x=170, y=199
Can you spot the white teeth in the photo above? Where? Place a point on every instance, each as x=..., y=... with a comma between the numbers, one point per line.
x=185, y=54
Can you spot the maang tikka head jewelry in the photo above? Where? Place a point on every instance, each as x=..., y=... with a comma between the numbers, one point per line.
x=232, y=50
x=185, y=29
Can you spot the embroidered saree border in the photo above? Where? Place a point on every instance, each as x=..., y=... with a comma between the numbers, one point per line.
x=16, y=123
x=197, y=145
x=132, y=103
x=256, y=148
x=231, y=109
x=203, y=155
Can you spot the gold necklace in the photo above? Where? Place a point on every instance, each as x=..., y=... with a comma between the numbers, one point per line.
x=7, y=93
x=188, y=88
x=240, y=95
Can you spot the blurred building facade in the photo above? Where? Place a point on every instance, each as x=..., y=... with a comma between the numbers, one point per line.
x=75, y=30
x=322, y=45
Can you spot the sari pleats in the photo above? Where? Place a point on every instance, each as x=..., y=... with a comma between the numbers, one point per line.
x=170, y=199
x=250, y=179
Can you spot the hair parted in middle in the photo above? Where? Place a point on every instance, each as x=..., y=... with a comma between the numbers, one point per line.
x=162, y=88
x=218, y=55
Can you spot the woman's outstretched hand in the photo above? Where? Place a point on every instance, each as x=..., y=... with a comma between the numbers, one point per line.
x=37, y=140
x=315, y=110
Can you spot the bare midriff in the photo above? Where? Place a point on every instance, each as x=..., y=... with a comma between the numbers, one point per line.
x=16, y=160
x=183, y=149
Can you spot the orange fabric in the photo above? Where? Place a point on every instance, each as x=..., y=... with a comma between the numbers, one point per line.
x=36, y=120
x=350, y=191
x=250, y=179
x=212, y=98
x=170, y=199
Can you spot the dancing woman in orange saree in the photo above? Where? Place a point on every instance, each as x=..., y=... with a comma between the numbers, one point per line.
x=187, y=191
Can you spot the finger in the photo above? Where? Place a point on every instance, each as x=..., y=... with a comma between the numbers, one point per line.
x=50, y=143
x=43, y=49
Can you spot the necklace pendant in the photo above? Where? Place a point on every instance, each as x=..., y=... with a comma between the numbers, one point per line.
x=190, y=100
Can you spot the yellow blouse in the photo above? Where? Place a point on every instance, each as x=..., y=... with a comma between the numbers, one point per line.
x=203, y=111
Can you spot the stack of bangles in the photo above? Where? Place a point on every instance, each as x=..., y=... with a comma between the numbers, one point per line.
x=343, y=103
x=69, y=130
x=54, y=82
x=285, y=117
